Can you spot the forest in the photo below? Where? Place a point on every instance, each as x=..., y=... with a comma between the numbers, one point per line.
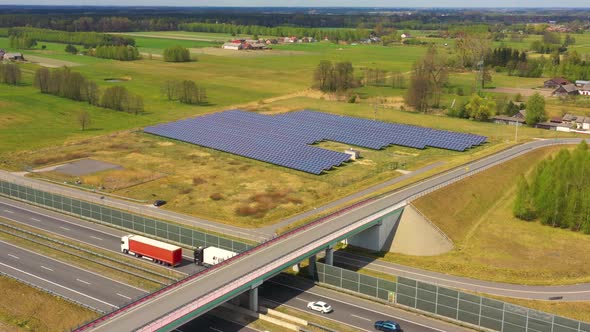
x=558, y=192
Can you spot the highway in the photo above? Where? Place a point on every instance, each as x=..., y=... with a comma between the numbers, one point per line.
x=61, y=278
x=132, y=318
x=350, y=310
x=103, y=237
x=103, y=293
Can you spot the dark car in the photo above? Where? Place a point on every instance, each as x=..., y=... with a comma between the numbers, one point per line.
x=387, y=325
x=159, y=202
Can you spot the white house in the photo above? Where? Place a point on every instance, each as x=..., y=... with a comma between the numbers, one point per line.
x=585, y=90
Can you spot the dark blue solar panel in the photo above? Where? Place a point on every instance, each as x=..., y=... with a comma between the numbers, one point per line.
x=284, y=139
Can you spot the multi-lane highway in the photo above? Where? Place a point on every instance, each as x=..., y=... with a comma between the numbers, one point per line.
x=261, y=258
x=77, y=229
x=81, y=285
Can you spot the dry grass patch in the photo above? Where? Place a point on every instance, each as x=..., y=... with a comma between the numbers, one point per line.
x=28, y=309
x=573, y=310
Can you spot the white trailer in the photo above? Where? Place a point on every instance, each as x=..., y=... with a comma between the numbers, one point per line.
x=212, y=255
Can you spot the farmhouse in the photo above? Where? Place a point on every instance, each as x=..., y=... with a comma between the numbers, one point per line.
x=516, y=120
x=232, y=46
x=566, y=90
x=578, y=122
x=14, y=56
x=581, y=83
x=556, y=82
x=585, y=90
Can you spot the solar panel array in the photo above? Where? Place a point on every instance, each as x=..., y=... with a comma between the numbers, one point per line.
x=285, y=139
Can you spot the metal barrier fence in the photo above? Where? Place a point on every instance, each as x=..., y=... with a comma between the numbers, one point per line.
x=130, y=221
x=449, y=303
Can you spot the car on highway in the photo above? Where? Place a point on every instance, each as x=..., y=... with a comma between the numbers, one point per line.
x=320, y=306
x=159, y=202
x=387, y=326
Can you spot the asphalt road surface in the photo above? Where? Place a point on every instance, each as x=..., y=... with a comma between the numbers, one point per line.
x=72, y=282
x=210, y=323
x=349, y=310
x=76, y=229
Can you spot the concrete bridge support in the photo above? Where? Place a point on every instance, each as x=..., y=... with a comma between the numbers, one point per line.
x=253, y=299
x=380, y=236
x=329, y=259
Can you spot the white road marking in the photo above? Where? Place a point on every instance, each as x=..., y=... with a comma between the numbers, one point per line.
x=302, y=300
x=356, y=306
x=359, y=317
x=13, y=256
x=46, y=268
x=66, y=229
x=8, y=211
x=121, y=295
x=56, y=284
x=94, y=237
x=214, y=329
x=35, y=219
x=84, y=282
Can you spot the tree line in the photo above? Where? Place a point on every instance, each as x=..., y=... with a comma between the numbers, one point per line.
x=177, y=54
x=65, y=83
x=10, y=73
x=334, y=77
x=279, y=31
x=122, y=53
x=88, y=39
x=558, y=193
x=187, y=92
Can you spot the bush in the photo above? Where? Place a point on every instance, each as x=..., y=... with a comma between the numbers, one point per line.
x=70, y=49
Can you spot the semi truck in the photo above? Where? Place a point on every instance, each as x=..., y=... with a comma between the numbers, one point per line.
x=207, y=256
x=157, y=251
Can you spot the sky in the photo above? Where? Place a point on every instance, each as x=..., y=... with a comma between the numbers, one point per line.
x=312, y=3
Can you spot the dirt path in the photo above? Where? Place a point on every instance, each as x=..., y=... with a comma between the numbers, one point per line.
x=526, y=92
x=163, y=36
x=51, y=63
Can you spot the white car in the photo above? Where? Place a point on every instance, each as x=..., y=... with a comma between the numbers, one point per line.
x=320, y=306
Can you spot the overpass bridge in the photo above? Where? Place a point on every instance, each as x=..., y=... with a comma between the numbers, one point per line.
x=175, y=305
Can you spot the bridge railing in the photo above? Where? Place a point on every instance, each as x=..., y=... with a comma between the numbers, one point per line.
x=242, y=281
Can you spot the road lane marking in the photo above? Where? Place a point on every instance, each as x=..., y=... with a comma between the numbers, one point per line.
x=354, y=305
x=84, y=282
x=66, y=229
x=46, y=268
x=94, y=237
x=214, y=329
x=35, y=219
x=359, y=317
x=300, y=299
x=8, y=211
x=127, y=297
x=13, y=256
x=56, y=284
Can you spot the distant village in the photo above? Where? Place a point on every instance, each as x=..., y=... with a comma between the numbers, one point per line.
x=263, y=44
x=567, y=123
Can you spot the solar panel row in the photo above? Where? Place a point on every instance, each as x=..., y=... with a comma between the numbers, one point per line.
x=284, y=139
